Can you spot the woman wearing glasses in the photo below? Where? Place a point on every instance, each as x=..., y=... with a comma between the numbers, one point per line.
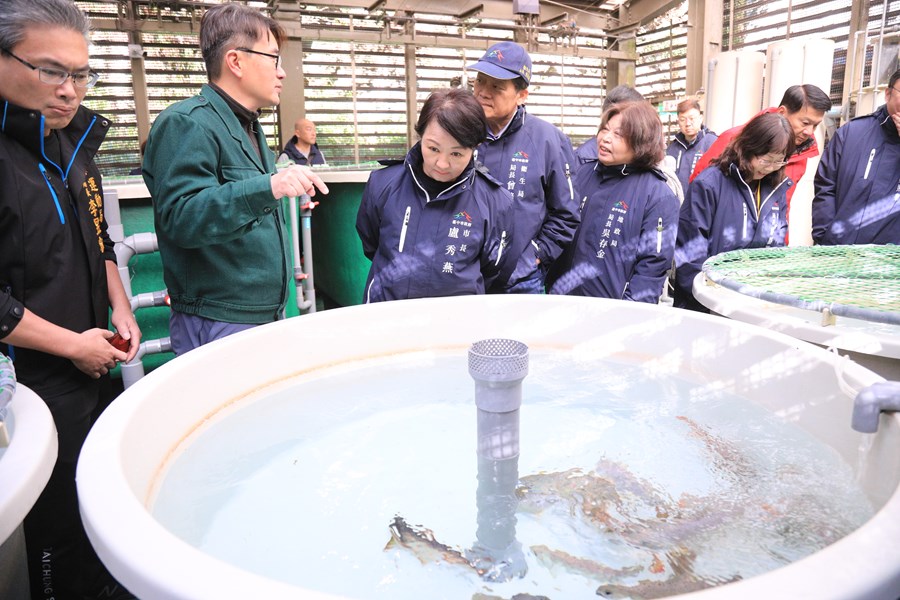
x=691, y=141
x=739, y=202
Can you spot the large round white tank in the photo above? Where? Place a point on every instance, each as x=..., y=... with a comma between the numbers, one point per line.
x=25, y=467
x=795, y=62
x=126, y=454
x=735, y=88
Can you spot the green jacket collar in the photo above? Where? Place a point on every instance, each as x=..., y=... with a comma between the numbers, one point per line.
x=233, y=126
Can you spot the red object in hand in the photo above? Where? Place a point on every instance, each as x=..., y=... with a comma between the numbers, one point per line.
x=119, y=343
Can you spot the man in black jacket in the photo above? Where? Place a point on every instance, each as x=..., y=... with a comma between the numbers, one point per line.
x=58, y=275
x=302, y=148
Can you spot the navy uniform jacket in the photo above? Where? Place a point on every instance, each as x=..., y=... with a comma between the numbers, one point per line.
x=687, y=154
x=450, y=245
x=624, y=246
x=587, y=152
x=54, y=244
x=719, y=214
x=857, y=197
x=535, y=161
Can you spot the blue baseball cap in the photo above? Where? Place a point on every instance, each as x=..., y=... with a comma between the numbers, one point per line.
x=505, y=60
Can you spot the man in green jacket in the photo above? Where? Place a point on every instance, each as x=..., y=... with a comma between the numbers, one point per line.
x=217, y=200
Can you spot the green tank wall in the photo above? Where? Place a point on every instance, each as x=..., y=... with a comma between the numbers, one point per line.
x=339, y=266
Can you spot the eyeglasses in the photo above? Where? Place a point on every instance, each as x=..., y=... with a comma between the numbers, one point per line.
x=82, y=79
x=275, y=57
x=772, y=163
x=686, y=119
x=893, y=89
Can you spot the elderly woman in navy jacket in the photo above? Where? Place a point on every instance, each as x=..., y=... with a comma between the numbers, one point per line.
x=436, y=224
x=624, y=245
x=739, y=202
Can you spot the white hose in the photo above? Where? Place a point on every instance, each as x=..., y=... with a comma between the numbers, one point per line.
x=839, y=367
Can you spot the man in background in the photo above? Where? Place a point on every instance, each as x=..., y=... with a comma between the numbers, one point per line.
x=302, y=149
x=217, y=200
x=691, y=141
x=533, y=158
x=804, y=106
x=58, y=274
x=857, y=184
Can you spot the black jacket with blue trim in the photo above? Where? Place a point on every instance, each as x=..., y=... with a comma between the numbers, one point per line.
x=53, y=239
x=453, y=244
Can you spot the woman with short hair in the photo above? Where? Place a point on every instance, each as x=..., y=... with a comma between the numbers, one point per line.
x=623, y=247
x=435, y=224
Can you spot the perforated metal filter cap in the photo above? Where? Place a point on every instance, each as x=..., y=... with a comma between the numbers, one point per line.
x=498, y=367
x=498, y=359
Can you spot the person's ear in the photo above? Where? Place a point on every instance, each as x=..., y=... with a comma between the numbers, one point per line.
x=233, y=63
x=522, y=96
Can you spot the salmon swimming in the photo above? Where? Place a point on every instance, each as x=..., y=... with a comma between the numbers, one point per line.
x=553, y=559
x=682, y=580
x=480, y=596
x=421, y=542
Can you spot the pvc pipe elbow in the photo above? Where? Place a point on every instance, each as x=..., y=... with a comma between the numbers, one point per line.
x=871, y=402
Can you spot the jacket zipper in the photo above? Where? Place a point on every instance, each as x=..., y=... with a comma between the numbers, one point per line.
x=744, y=235
x=62, y=217
x=659, y=230
x=771, y=239
x=404, y=228
x=869, y=164
x=569, y=181
x=500, y=250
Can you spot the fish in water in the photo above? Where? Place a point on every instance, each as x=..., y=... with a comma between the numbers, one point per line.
x=420, y=541
x=683, y=580
x=480, y=596
x=648, y=589
x=552, y=559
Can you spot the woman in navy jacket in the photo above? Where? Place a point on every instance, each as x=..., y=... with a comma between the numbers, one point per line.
x=624, y=245
x=740, y=202
x=436, y=224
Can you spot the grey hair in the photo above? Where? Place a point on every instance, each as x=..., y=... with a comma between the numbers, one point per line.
x=17, y=15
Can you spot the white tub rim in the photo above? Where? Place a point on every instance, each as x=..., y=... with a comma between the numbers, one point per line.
x=26, y=465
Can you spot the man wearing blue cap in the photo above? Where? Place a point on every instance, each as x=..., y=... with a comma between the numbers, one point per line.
x=534, y=158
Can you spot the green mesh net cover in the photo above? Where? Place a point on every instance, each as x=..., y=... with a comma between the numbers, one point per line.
x=862, y=282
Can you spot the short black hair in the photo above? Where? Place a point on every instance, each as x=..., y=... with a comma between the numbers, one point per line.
x=798, y=96
x=458, y=113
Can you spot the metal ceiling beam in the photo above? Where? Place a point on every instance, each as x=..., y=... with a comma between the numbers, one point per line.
x=485, y=9
x=296, y=31
x=636, y=13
